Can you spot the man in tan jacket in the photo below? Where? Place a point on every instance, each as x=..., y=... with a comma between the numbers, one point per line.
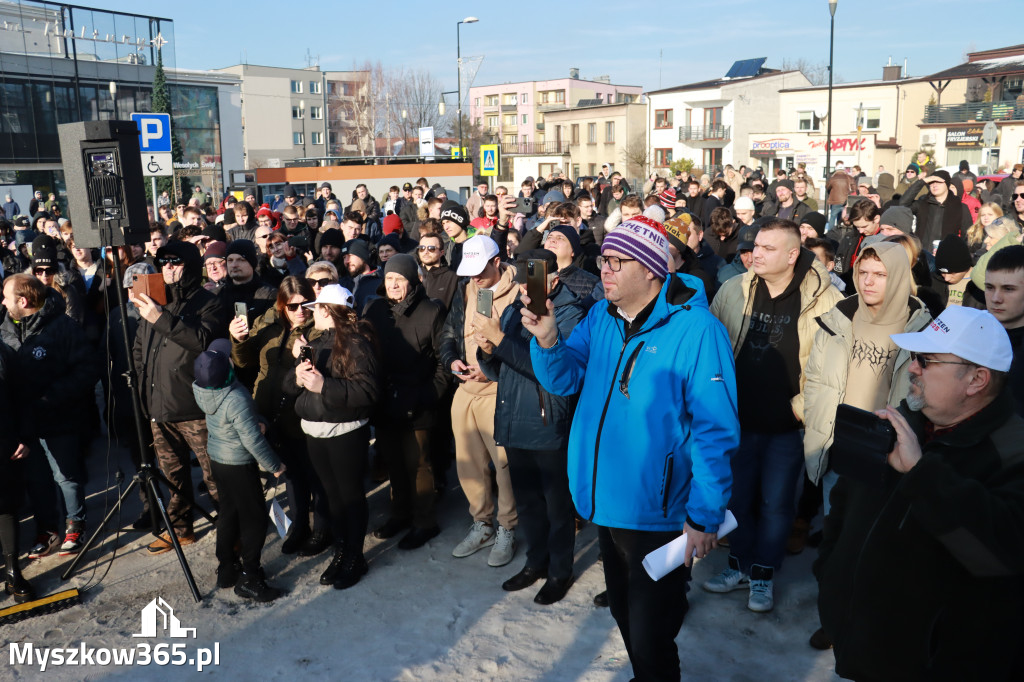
x=474, y=402
x=769, y=313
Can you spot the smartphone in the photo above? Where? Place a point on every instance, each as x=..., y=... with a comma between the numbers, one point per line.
x=306, y=354
x=524, y=205
x=463, y=373
x=242, y=310
x=484, y=302
x=537, y=286
x=861, y=445
x=151, y=285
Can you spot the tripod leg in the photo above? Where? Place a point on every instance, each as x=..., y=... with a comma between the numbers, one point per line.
x=155, y=496
x=99, y=529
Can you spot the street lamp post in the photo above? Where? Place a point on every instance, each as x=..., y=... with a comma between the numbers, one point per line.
x=831, y=42
x=302, y=115
x=458, y=55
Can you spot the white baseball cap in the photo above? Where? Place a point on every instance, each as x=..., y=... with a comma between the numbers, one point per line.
x=972, y=334
x=477, y=251
x=336, y=294
x=743, y=204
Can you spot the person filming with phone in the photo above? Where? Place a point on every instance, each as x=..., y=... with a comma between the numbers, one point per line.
x=653, y=432
x=920, y=568
x=489, y=287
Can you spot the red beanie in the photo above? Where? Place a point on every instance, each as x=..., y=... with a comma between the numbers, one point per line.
x=392, y=223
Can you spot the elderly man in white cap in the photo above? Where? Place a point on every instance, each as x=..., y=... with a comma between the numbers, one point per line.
x=920, y=569
x=488, y=287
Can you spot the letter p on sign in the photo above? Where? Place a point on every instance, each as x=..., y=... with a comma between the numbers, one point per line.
x=151, y=129
x=154, y=132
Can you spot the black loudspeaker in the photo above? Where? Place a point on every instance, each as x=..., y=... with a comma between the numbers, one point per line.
x=103, y=176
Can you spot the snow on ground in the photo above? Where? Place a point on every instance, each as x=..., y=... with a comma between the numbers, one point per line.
x=420, y=615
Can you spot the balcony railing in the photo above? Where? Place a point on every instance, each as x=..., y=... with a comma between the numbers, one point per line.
x=971, y=112
x=701, y=133
x=509, y=107
x=531, y=148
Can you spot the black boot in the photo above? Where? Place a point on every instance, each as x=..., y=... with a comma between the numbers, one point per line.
x=17, y=586
x=228, y=574
x=297, y=537
x=328, y=576
x=253, y=586
x=353, y=567
x=315, y=543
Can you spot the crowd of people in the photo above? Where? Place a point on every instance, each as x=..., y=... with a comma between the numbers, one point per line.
x=701, y=335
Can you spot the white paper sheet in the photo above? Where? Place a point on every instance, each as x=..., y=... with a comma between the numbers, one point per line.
x=668, y=558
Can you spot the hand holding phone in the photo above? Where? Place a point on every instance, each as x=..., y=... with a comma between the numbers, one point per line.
x=537, y=286
x=306, y=354
x=484, y=302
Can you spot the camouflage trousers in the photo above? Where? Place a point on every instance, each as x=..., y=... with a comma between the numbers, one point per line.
x=172, y=443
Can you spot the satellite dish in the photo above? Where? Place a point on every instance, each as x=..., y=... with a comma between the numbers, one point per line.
x=821, y=114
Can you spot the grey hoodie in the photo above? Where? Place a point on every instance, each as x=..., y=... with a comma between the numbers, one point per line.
x=234, y=429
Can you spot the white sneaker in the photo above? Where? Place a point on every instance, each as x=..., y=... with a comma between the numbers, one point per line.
x=480, y=535
x=762, y=598
x=504, y=547
x=728, y=580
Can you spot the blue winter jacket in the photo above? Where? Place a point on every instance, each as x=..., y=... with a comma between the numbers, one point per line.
x=656, y=423
x=233, y=427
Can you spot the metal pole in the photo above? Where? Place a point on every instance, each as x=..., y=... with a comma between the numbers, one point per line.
x=828, y=138
x=156, y=213
x=458, y=109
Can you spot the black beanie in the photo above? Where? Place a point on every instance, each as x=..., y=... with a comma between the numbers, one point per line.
x=357, y=247
x=244, y=248
x=215, y=232
x=404, y=265
x=952, y=255
x=392, y=241
x=44, y=251
x=816, y=220
x=570, y=234
x=453, y=211
x=332, y=237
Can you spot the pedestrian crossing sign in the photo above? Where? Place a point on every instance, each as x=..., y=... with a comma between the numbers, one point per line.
x=489, y=159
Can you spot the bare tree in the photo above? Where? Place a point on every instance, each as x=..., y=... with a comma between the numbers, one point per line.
x=416, y=93
x=816, y=72
x=636, y=156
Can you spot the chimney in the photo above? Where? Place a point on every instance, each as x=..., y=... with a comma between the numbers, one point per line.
x=574, y=73
x=892, y=73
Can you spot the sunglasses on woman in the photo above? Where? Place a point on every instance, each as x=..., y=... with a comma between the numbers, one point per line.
x=322, y=282
x=292, y=307
x=45, y=271
x=169, y=260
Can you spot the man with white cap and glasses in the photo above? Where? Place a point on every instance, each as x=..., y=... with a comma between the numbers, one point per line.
x=922, y=562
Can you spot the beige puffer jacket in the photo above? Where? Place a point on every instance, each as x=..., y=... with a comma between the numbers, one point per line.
x=732, y=307
x=826, y=372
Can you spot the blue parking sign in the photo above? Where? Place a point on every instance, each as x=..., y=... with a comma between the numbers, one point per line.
x=154, y=132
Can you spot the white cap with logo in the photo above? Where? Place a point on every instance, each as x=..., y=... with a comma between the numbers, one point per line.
x=972, y=334
x=336, y=294
x=477, y=251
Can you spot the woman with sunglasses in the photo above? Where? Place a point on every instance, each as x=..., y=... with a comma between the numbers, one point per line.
x=267, y=345
x=336, y=384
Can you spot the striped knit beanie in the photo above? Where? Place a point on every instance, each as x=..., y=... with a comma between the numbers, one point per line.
x=643, y=239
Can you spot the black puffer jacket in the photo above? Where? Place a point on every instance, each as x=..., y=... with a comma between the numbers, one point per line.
x=414, y=379
x=165, y=351
x=920, y=573
x=54, y=370
x=348, y=399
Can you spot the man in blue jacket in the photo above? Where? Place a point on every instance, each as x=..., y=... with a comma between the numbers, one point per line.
x=653, y=433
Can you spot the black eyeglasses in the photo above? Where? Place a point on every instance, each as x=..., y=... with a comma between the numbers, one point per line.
x=292, y=307
x=924, y=361
x=169, y=260
x=322, y=282
x=428, y=247
x=1018, y=195
x=614, y=263
x=45, y=271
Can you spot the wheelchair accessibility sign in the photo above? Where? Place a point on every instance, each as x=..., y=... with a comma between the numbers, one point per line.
x=155, y=144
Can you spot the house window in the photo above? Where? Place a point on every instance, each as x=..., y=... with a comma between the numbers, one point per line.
x=662, y=118
x=663, y=157
x=559, y=95
x=575, y=133
x=713, y=117
x=297, y=138
x=688, y=118
x=491, y=101
x=318, y=138
x=871, y=118
x=297, y=87
x=808, y=121
x=314, y=87
x=575, y=170
x=526, y=119
x=591, y=133
x=544, y=98
x=523, y=139
x=712, y=158
x=476, y=101
x=492, y=121
x=523, y=99
x=592, y=169
x=510, y=98
x=509, y=139
x=316, y=113
x=297, y=112
x=609, y=131
x=510, y=120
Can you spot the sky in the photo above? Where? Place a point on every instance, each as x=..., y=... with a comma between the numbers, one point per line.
x=632, y=43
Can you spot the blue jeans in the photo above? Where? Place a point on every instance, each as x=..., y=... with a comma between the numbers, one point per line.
x=65, y=458
x=766, y=471
x=828, y=481
x=833, y=214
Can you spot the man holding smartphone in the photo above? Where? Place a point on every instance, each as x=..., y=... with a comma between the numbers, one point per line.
x=487, y=280
x=924, y=566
